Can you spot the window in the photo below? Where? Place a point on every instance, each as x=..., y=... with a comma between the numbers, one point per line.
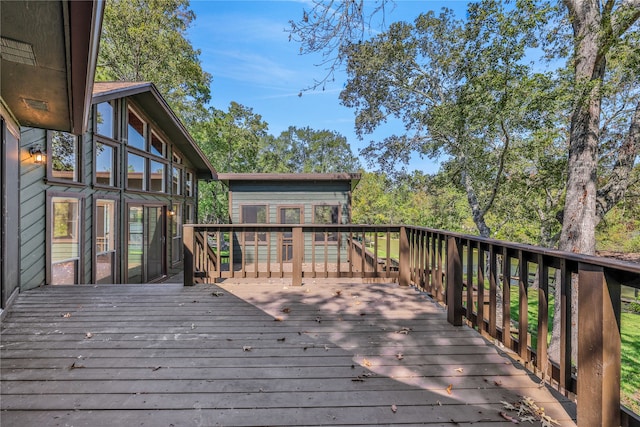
x=157, y=177
x=158, y=147
x=189, y=214
x=105, y=119
x=176, y=233
x=136, y=131
x=136, y=172
x=176, y=181
x=105, y=226
x=105, y=165
x=189, y=184
x=254, y=214
x=65, y=156
x=65, y=240
x=326, y=214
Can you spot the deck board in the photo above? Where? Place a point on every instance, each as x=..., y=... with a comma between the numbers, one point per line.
x=251, y=353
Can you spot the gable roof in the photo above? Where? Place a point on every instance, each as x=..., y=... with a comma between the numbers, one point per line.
x=49, y=54
x=147, y=96
x=352, y=178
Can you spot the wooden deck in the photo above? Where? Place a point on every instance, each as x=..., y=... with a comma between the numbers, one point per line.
x=252, y=353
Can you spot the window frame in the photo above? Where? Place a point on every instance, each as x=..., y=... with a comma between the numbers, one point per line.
x=49, y=236
x=116, y=232
x=116, y=163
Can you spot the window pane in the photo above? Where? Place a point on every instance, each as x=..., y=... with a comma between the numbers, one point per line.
x=105, y=225
x=136, y=131
x=158, y=147
x=64, y=156
x=105, y=240
x=326, y=215
x=104, y=119
x=177, y=181
x=105, y=165
x=157, y=177
x=65, y=240
x=134, y=252
x=189, y=184
x=254, y=214
x=135, y=172
x=176, y=221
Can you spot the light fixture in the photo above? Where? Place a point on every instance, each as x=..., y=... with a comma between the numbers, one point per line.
x=36, y=153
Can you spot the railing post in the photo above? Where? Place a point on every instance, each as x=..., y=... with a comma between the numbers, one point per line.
x=454, y=282
x=404, y=272
x=598, y=348
x=298, y=252
x=189, y=244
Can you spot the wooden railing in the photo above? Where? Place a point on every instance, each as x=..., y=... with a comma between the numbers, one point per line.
x=475, y=278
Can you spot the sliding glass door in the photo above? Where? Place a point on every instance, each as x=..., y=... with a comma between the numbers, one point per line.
x=146, y=243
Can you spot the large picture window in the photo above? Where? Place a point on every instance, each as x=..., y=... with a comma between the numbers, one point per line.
x=176, y=181
x=65, y=156
x=65, y=239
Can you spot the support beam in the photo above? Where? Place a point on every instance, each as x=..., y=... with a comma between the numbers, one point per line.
x=598, y=348
x=298, y=253
x=187, y=236
x=405, y=273
x=454, y=281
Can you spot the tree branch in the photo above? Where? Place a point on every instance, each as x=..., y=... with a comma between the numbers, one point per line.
x=496, y=183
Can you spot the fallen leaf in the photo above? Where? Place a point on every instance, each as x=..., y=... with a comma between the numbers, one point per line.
x=366, y=363
x=498, y=383
x=286, y=310
x=449, y=388
x=358, y=379
x=508, y=406
x=459, y=369
x=318, y=319
x=326, y=348
x=66, y=315
x=338, y=292
x=394, y=408
x=246, y=348
x=88, y=335
x=75, y=365
x=193, y=326
x=156, y=368
x=399, y=356
x=277, y=319
x=528, y=418
x=217, y=294
x=281, y=339
x=509, y=418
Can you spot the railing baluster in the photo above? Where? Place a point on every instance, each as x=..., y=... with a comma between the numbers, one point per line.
x=523, y=309
x=565, y=326
x=482, y=327
x=493, y=291
x=543, y=315
x=469, y=281
x=454, y=281
x=506, y=298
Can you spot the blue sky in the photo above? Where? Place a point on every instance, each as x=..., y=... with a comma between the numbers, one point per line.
x=245, y=47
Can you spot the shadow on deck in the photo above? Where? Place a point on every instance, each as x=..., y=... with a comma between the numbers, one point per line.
x=253, y=353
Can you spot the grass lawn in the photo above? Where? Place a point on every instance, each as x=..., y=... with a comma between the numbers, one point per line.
x=382, y=248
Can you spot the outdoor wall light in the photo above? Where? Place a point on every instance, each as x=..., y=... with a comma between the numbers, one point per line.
x=36, y=153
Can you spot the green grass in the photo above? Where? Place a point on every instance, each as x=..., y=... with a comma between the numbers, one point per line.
x=394, y=246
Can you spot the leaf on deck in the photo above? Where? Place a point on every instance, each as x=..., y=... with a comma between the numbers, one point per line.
x=449, y=388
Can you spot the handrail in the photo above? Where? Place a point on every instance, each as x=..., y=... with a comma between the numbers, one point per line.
x=472, y=277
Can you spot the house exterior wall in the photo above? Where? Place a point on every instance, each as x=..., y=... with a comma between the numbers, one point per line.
x=290, y=194
x=37, y=188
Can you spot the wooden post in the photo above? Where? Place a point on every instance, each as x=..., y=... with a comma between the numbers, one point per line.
x=454, y=281
x=404, y=278
x=298, y=252
x=598, y=348
x=188, y=245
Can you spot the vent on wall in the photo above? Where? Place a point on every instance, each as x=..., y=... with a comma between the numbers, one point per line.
x=16, y=51
x=36, y=104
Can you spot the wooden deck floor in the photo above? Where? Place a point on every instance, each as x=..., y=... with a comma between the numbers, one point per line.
x=327, y=353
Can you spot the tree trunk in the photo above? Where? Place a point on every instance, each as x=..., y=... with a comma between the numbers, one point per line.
x=580, y=218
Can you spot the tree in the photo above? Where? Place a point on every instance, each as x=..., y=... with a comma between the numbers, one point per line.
x=599, y=29
x=307, y=151
x=145, y=40
x=461, y=89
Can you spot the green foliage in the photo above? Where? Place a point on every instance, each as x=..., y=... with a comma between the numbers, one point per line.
x=145, y=40
x=462, y=89
x=307, y=151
